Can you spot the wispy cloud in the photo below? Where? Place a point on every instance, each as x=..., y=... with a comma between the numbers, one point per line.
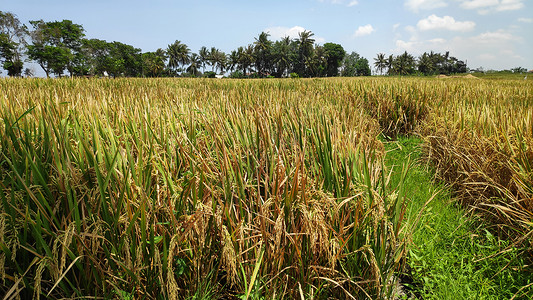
x=434, y=22
x=279, y=32
x=485, y=49
x=481, y=6
x=525, y=20
x=498, y=37
x=364, y=30
x=417, y=5
x=487, y=6
x=416, y=46
x=348, y=3
x=478, y=4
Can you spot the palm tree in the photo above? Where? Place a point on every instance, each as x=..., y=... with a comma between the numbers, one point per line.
x=317, y=63
x=380, y=62
x=305, y=50
x=233, y=60
x=425, y=66
x=211, y=58
x=204, y=57
x=246, y=57
x=446, y=62
x=390, y=65
x=281, y=56
x=404, y=64
x=262, y=52
x=219, y=60
x=195, y=64
x=154, y=62
x=178, y=55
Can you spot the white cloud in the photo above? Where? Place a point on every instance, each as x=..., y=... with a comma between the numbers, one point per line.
x=403, y=45
x=498, y=49
x=434, y=22
x=279, y=32
x=364, y=30
x=416, y=5
x=437, y=41
x=395, y=27
x=499, y=37
x=510, y=5
x=511, y=53
x=478, y=4
x=525, y=20
x=342, y=2
x=486, y=56
x=416, y=46
x=319, y=40
x=487, y=6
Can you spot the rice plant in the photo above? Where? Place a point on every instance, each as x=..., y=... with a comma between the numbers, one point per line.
x=481, y=141
x=199, y=188
x=194, y=188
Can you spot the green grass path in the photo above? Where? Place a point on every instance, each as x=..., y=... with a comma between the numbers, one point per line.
x=451, y=255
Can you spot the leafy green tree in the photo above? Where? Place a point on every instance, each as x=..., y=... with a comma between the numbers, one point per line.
x=335, y=54
x=55, y=45
x=116, y=59
x=519, y=70
x=348, y=64
x=8, y=55
x=12, y=41
x=355, y=65
x=97, y=53
x=178, y=55
x=130, y=58
x=362, y=68
x=154, y=63
x=459, y=66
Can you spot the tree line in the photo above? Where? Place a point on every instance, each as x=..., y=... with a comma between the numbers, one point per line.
x=60, y=48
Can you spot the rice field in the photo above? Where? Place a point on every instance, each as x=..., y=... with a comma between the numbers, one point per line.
x=250, y=189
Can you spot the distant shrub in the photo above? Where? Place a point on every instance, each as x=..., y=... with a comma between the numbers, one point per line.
x=237, y=74
x=294, y=75
x=210, y=74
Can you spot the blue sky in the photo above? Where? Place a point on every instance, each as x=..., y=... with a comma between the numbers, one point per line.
x=494, y=34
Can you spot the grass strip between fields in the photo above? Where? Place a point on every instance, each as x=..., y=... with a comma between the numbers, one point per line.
x=454, y=255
